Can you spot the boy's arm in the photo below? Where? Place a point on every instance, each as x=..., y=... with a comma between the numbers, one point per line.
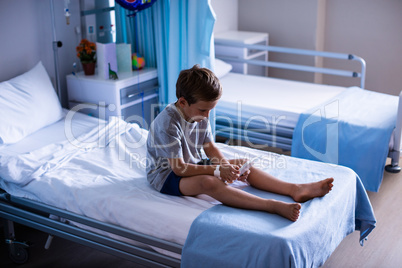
x=228, y=172
x=183, y=169
x=214, y=154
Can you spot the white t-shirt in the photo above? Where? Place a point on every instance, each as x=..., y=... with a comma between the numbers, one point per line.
x=171, y=136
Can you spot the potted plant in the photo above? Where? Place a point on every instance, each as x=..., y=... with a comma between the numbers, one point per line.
x=86, y=52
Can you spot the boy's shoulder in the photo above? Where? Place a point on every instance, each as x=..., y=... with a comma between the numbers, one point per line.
x=169, y=111
x=168, y=115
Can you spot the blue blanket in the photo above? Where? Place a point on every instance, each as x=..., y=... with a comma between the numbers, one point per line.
x=353, y=130
x=229, y=237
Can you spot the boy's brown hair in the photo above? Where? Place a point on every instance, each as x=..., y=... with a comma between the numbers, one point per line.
x=197, y=84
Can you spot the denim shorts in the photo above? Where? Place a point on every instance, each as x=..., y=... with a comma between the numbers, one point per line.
x=171, y=185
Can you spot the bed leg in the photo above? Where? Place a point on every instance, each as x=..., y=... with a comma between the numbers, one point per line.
x=9, y=230
x=395, y=153
x=394, y=166
x=49, y=241
x=18, y=251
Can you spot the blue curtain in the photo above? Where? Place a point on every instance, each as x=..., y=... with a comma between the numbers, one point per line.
x=138, y=31
x=190, y=39
x=172, y=35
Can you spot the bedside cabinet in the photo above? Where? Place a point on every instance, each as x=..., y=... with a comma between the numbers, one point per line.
x=134, y=96
x=250, y=38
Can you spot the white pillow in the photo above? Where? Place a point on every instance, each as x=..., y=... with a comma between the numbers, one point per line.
x=222, y=68
x=27, y=103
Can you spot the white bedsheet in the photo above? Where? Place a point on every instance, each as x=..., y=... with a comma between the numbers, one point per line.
x=271, y=96
x=97, y=181
x=103, y=177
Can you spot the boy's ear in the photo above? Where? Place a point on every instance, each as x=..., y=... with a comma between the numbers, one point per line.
x=182, y=101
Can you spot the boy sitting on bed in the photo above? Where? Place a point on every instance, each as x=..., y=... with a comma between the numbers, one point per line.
x=176, y=167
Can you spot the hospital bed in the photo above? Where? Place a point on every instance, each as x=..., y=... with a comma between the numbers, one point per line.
x=83, y=179
x=264, y=111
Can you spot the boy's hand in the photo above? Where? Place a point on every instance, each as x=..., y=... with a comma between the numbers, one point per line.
x=244, y=176
x=229, y=173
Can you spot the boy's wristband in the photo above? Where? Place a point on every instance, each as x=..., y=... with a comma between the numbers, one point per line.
x=217, y=172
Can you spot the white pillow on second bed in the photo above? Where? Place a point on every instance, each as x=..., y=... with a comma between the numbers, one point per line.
x=27, y=103
x=222, y=68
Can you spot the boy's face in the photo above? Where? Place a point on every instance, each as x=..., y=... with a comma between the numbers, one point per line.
x=198, y=111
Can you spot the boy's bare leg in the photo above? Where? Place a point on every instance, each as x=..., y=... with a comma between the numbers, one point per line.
x=299, y=192
x=233, y=197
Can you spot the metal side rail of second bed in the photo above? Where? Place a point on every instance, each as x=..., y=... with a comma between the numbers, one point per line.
x=256, y=133
x=36, y=215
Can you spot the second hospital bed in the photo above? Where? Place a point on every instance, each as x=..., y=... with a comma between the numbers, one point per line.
x=84, y=179
x=265, y=111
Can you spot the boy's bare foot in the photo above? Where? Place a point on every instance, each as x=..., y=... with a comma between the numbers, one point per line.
x=290, y=211
x=307, y=191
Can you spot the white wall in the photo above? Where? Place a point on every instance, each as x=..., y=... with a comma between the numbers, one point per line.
x=26, y=38
x=368, y=28
x=226, y=15
x=289, y=23
x=371, y=29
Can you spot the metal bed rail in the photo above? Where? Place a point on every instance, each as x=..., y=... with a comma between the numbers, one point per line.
x=255, y=138
x=258, y=133
x=297, y=67
x=273, y=138
x=35, y=215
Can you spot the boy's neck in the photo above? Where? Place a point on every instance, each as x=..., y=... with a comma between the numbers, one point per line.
x=181, y=112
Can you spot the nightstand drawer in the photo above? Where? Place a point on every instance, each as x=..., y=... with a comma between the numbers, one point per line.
x=104, y=98
x=144, y=109
x=134, y=92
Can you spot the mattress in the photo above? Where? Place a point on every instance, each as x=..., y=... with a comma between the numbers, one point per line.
x=248, y=95
x=91, y=186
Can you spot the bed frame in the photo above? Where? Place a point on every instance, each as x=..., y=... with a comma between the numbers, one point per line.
x=36, y=215
x=279, y=136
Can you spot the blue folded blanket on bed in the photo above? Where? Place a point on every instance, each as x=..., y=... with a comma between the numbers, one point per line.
x=229, y=237
x=353, y=129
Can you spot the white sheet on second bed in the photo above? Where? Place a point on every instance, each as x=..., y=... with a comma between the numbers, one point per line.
x=271, y=96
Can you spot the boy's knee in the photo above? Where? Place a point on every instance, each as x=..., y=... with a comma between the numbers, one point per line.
x=209, y=183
